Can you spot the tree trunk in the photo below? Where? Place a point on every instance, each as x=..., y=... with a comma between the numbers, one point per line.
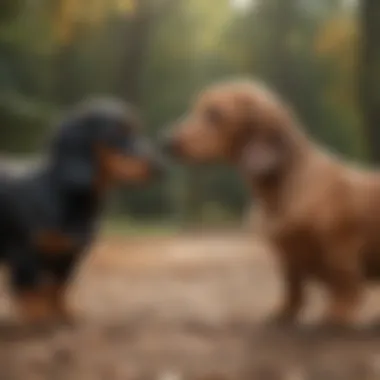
x=280, y=58
x=137, y=39
x=63, y=91
x=67, y=29
x=370, y=74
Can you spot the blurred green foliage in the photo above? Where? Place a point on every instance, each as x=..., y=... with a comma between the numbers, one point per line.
x=25, y=124
x=158, y=54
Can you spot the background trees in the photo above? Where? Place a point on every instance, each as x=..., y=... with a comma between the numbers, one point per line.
x=370, y=74
x=322, y=56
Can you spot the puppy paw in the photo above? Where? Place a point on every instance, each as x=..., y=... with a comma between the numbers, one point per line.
x=66, y=317
x=332, y=327
x=34, y=309
x=281, y=320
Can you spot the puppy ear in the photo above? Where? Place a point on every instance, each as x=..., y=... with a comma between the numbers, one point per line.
x=73, y=157
x=263, y=157
x=259, y=160
x=76, y=173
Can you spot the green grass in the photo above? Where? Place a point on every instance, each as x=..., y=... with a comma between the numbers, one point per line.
x=125, y=227
x=114, y=226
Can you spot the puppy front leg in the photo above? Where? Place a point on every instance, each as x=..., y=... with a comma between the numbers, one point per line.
x=343, y=304
x=33, y=305
x=57, y=296
x=344, y=283
x=62, y=275
x=294, y=281
x=345, y=292
x=31, y=294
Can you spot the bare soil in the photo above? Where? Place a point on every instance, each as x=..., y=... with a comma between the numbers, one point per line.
x=185, y=307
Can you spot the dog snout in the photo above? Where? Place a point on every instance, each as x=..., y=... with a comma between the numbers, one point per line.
x=171, y=146
x=158, y=166
x=155, y=158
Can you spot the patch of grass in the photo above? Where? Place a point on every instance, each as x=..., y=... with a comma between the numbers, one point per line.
x=128, y=227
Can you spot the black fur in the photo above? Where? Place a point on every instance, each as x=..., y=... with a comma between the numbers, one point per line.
x=60, y=195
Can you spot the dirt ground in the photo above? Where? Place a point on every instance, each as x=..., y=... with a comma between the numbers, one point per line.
x=185, y=307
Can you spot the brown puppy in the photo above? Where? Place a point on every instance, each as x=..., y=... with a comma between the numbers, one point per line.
x=321, y=215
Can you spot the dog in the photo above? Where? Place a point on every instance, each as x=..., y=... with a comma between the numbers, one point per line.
x=49, y=217
x=320, y=214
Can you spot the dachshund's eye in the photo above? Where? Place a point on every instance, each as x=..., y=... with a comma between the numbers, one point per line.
x=213, y=116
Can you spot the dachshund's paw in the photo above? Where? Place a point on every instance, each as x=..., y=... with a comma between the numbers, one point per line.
x=36, y=316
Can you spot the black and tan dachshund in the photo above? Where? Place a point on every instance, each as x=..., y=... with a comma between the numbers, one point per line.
x=49, y=217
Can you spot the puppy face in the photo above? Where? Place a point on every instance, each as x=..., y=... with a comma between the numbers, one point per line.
x=234, y=122
x=208, y=131
x=122, y=151
x=102, y=139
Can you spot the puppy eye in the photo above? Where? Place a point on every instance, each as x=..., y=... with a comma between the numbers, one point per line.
x=213, y=116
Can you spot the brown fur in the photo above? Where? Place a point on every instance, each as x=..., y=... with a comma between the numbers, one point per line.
x=320, y=214
x=53, y=242
x=34, y=305
x=116, y=167
x=45, y=303
x=57, y=300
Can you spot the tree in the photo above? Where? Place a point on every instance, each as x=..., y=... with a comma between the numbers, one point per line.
x=66, y=27
x=140, y=25
x=137, y=39
x=370, y=74
x=280, y=58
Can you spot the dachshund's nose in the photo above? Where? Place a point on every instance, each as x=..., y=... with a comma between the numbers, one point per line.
x=160, y=166
x=170, y=146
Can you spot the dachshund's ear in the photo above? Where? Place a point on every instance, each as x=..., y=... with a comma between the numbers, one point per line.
x=76, y=173
x=73, y=157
